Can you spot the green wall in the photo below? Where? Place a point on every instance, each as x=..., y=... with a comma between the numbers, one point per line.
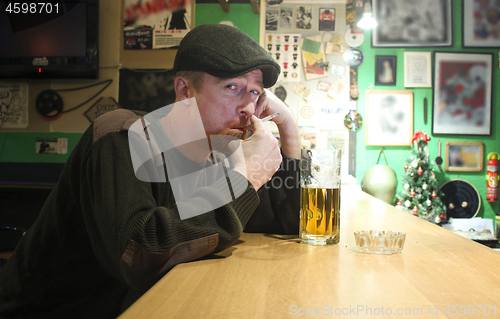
x=20, y=147
x=367, y=155
x=241, y=15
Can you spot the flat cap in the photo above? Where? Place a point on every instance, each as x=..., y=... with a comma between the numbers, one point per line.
x=226, y=52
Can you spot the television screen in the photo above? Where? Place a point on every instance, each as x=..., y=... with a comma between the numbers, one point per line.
x=46, y=39
x=61, y=43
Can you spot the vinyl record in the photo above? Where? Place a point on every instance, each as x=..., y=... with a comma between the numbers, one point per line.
x=353, y=120
x=354, y=39
x=461, y=198
x=49, y=105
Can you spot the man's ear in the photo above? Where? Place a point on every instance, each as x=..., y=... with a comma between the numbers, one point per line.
x=182, y=87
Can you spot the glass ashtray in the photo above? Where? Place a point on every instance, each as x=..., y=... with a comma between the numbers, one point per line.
x=380, y=241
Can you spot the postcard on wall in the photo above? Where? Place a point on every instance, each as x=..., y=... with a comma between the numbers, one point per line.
x=333, y=43
x=332, y=114
x=14, y=105
x=156, y=25
x=303, y=19
x=307, y=137
x=307, y=114
x=313, y=58
x=301, y=90
x=326, y=19
x=272, y=20
x=51, y=146
x=286, y=18
x=336, y=139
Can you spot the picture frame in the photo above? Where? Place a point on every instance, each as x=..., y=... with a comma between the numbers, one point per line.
x=478, y=30
x=389, y=117
x=462, y=93
x=463, y=156
x=412, y=24
x=417, y=69
x=385, y=70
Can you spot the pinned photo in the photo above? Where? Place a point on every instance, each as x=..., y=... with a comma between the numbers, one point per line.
x=304, y=18
x=326, y=19
x=271, y=20
x=51, y=146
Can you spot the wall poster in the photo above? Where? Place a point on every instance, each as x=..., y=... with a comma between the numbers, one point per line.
x=13, y=105
x=156, y=24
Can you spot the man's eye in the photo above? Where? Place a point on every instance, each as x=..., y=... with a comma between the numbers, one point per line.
x=231, y=87
x=255, y=92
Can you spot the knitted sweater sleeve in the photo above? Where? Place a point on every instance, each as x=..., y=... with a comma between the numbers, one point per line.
x=134, y=227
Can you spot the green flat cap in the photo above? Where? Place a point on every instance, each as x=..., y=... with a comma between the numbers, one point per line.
x=226, y=52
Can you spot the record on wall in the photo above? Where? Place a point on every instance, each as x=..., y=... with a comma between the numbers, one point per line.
x=354, y=39
x=461, y=198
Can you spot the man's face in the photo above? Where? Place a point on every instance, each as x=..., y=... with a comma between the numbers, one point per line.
x=227, y=104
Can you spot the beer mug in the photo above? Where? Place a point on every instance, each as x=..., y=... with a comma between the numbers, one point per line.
x=320, y=196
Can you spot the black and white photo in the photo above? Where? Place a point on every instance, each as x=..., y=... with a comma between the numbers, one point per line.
x=304, y=18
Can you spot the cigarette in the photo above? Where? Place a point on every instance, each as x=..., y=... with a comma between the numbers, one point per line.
x=267, y=118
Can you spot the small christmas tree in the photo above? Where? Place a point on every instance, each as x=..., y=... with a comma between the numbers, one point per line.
x=420, y=195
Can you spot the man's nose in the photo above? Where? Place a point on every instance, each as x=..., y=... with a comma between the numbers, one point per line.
x=247, y=106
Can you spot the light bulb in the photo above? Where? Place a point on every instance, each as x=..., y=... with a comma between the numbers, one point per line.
x=367, y=21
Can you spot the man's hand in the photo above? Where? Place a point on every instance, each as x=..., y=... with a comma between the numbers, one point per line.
x=289, y=132
x=261, y=154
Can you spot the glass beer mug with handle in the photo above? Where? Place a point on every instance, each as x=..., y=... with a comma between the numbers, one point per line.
x=320, y=196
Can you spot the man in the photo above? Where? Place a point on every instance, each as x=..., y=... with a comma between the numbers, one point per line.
x=121, y=217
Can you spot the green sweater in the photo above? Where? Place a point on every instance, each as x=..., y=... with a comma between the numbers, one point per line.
x=104, y=237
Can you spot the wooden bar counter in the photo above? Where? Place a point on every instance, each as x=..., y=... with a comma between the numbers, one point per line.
x=438, y=275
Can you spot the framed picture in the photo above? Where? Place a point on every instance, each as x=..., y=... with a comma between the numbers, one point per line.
x=463, y=156
x=480, y=25
x=462, y=93
x=417, y=69
x=412, y=23
x=385, y=70
x=389, y=117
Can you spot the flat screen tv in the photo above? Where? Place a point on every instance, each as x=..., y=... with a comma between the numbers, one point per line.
x=49, y=40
